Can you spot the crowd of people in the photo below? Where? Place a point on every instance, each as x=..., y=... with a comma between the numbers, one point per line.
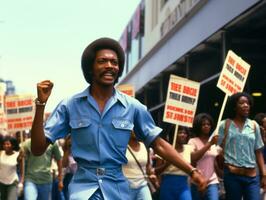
x=112, y=148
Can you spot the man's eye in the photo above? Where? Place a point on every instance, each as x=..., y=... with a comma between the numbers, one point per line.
x=101, y=61
x=114, y=62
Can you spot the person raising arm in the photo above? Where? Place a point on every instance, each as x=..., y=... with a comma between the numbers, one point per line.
x=100, y=120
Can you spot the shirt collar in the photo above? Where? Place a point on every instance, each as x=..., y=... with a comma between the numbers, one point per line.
x=120, y=97
x=249, y=123
x=84, y=93
x=117, y=95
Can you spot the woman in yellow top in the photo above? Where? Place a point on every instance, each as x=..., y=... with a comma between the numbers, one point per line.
x=174, y=182
x=138, y=169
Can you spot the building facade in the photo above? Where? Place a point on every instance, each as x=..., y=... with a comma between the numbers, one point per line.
x=191, y=38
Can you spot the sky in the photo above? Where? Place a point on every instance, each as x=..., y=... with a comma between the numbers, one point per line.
x=42, y=40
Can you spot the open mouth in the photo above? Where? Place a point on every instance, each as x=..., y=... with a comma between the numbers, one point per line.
x=108, y=75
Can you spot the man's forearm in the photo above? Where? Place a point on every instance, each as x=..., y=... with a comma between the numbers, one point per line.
x=167, y=152
x=59, y=167
x=38, y=140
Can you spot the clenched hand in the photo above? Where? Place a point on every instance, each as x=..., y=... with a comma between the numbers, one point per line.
x=44, y=89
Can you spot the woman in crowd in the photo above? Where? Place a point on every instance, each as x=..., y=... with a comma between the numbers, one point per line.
x=260, y=118
x=8, y=169
x=136, y=169
x=242, y=150
x=174, y=182
x=203, y=155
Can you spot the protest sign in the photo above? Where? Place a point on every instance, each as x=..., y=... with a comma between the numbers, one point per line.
x=181, y=101
x=232, y=78
x=127, y=89
x=234, y=74
x=19, y=112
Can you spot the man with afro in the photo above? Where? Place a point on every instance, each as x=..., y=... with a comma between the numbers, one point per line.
x=100, y=120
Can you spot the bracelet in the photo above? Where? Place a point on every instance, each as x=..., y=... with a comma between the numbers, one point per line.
x=39, y=103
x=192, y=171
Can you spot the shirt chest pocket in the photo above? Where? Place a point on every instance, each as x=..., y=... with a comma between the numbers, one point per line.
x=122, y=130
x=80, y=131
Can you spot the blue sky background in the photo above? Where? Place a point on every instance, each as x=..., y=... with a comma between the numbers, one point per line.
x=45, y=39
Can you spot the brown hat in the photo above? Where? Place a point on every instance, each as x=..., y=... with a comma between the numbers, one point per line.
x=89, y=53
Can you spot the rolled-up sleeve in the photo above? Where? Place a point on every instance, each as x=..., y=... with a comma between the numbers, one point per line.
x=57, y=125
x=258, y=142
x=221, y=132
x=144, y=125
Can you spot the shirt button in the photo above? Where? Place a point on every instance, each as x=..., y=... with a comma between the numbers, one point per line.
x=80, y=124
x=122, y=125
x=100, y=180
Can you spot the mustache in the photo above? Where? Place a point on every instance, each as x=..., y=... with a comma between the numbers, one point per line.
x=112, y=72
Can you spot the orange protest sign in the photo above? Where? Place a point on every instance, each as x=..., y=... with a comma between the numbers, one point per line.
x=127, y=89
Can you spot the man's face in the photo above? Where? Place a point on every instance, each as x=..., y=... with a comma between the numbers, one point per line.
x=105, y=67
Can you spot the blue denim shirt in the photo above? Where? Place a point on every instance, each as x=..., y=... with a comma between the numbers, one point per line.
x=240, y=146
x=99, y=140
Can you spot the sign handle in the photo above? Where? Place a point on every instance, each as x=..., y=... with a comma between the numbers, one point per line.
x=22, y=164
x=221, y=114
x=175, y=135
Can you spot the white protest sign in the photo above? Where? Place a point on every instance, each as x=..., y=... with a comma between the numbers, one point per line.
x=19, y=112
x=181, y=101
x=234, y=74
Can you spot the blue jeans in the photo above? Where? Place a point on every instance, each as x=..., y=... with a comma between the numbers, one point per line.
x=212, y=192
x=34, y=191
x=66, y=182
x=142, y=193
x=174, y=187
x=238, y=187
x=56, y=194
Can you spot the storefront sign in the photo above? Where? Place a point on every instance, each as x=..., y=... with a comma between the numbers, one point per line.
x=180, y=12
